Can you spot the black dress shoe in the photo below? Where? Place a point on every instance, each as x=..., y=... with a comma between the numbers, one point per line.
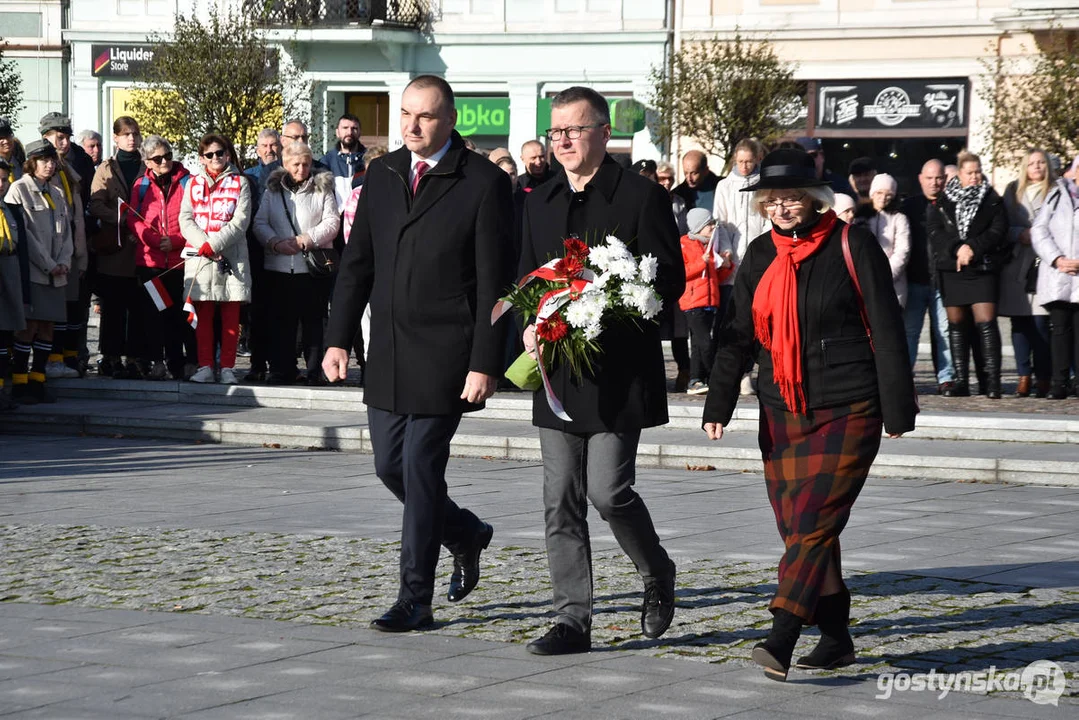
x=403, y=616
x=561, y=640
x=466, y=566
x=658, y=610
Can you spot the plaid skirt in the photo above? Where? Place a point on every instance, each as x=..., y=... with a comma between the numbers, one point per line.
x=814, y=467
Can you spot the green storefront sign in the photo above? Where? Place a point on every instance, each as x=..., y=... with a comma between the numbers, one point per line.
x=627, y=116
x=483, y=116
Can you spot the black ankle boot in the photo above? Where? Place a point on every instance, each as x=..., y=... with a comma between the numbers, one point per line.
x=989, y=333
x=836, y=648
x=774, y=654
x=960, y=345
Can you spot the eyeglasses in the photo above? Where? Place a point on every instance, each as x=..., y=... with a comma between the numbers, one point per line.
x=214, y=154
x=572, y=132
x=301, y=138
x=783, y=204
x=159, y=159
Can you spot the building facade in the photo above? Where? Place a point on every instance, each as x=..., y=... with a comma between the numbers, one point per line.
x=32, y=39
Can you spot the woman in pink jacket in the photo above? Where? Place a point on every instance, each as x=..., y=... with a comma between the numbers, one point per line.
x=154, y=219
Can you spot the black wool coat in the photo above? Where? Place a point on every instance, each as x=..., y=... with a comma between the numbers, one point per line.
x=987, y=235
x=838, y=365
x=432, y=268
x=627, y=389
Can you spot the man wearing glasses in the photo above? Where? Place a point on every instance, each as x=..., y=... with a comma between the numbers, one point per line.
x=428, y=249
x=593, y=456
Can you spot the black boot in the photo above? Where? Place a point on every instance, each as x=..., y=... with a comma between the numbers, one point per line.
x=836, y=648
x=957, y=339
x=774, y=654
x=989, y=333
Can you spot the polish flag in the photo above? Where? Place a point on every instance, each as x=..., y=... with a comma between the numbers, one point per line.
x=158, y=294
x=191, y=317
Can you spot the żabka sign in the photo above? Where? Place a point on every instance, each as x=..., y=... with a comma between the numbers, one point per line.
x=119, y=60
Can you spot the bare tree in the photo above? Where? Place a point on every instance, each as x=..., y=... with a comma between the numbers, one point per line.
x=1036, y=110
x=718, y=92
x=220, y=76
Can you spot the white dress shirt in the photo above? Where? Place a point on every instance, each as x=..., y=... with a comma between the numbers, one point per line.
x=431, y=161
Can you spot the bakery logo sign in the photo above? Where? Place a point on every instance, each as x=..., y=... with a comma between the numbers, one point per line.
x=119, y=60
x=908, y=104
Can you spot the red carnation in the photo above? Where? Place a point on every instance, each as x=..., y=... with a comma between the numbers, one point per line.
x=569, y=267
x=552, y=329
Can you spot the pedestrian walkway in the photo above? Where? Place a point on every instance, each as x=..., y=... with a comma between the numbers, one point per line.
x=148, y=579
x=974, y=446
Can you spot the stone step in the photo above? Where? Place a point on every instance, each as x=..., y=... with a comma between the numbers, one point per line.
x=670, y=447
x=517, y=407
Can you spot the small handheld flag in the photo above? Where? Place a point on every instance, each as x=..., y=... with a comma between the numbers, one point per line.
x=158, y=293
x=191, y=317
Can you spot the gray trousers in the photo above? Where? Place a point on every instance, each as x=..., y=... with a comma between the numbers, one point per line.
x=597, y=467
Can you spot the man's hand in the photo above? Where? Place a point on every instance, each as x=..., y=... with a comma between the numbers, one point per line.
x=335, y=364
x=529, y=340
x=714, y=431
x=963, y=256
x=478, y=386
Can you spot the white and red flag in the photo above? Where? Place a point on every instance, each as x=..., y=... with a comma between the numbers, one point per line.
x=158, y=293
x=190, y=315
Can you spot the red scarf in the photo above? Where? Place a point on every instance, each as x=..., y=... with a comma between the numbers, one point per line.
x=775, y=309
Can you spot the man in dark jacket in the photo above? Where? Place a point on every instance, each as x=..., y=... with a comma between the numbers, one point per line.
x=699, y=187
x=255, y=330
x=346, y=159
x=922, y=292
x=592, y=456
x=428, y=250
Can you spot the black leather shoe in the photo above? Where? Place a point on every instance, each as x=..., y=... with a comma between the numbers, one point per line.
x=403, y=616
x=466, y=566
x=561, y=639
x=658, y=610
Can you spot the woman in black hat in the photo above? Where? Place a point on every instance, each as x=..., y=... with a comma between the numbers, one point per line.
x=826, y=387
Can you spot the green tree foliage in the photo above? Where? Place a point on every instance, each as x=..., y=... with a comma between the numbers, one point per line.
x=721, y=91
x=10, y=88
x=1036, y=110
x=217, y=75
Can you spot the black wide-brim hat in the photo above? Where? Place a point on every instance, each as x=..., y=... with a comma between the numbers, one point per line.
x=787, y=169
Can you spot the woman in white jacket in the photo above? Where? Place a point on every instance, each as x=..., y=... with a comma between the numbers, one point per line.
x=1055, y=237
x=892, y=230
x=738, y=222
x=298, y=213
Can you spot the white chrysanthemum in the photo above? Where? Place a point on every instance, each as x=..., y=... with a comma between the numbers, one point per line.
x=587, y=309
x=648, y=267
x=618, y=249
x=642, y=299
x=625, y=268
x=599, y=257
x=592, y=331
x=600, y=280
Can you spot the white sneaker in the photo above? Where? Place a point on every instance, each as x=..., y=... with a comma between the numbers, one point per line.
x=696, y=387
x=228, y=376
x=204, y=374
x=60, y=370
x=747, y=386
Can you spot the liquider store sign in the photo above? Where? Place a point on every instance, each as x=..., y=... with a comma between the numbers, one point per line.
x=119, y=60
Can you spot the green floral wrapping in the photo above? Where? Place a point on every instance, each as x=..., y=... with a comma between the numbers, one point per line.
x=525, y=373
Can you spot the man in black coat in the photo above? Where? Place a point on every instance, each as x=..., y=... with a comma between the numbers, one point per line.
x=593, y=456
x=428, y=251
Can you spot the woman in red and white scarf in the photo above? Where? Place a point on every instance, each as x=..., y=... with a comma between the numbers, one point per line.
x=826, y=387
x=214, y=216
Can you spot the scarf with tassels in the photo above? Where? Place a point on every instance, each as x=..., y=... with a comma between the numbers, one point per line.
x=775, y=308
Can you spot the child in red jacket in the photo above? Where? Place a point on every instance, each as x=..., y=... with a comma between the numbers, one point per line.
x=704, y=272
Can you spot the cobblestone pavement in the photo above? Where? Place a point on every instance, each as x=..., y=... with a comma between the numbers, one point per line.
x=946, y=576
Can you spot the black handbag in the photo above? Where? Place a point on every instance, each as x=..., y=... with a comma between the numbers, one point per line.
x=321, y=262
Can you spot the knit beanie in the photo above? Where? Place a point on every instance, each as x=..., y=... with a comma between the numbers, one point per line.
x=884, y=181
x=696, y=219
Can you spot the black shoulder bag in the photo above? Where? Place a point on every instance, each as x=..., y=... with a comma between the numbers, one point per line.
x=321, y=262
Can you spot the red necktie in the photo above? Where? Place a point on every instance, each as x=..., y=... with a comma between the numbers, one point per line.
x=421, y=170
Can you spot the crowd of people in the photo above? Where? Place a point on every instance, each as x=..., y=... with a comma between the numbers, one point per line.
x=958, y=251
x=188, y=270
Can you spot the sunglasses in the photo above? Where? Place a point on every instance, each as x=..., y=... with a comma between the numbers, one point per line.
x=159, y=159
x=214, y=154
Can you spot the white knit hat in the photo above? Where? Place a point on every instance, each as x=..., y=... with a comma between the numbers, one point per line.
x=843, y=202
x=884, y=181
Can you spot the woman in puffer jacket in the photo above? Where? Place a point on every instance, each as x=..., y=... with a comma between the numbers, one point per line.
x=892, y=231
x=298, y=213
x=1055, y=237
x=214, y=216
x=156, y=197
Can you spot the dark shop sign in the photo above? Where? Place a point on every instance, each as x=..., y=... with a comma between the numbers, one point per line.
x=893, y=104
x=119, y=60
